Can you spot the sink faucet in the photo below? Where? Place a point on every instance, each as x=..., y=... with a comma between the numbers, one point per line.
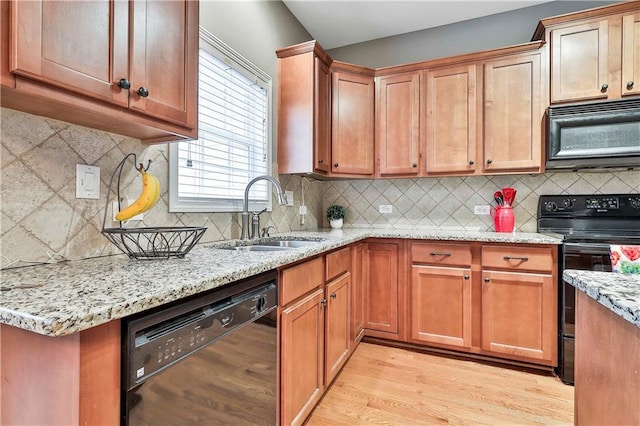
x=282, y=200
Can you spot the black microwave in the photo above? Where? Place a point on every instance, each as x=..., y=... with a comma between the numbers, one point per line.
x=594, y=135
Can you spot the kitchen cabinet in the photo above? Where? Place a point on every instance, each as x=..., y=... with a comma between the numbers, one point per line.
x=398, y=125
x=513, y=113
x=357, y=294
x=594, y=55
x=519, y=302
x=142, y=77
x=352, y=128
x=315, y=337
x=440, y=294
x=451, y=119
x=383, y=283
x=304, y=109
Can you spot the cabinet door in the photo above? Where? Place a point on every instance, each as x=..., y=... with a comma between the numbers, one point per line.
x=352, y=124
x=357, y=294
x=519, y=316
x=164, y=54
x=631, y=54
x=450, y=99
x=398, y=124
x=322, y=125
x=513, y=114
x=381, y=287
x=579, y=64
x=441, y=305
x=81, y=47
x=337, y=338
x=301, y=357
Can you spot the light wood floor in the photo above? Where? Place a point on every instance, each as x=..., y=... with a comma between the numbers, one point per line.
x=383, y=385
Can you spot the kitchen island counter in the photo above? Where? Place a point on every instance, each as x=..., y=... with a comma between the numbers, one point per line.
x=65, y=298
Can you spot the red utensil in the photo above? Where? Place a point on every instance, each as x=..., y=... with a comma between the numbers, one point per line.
x=499, y=198
x=509, y=196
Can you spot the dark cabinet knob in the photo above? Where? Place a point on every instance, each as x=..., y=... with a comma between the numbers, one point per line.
x=471, y=162
x=336, y=165
x=629, y=84
x=323, y=302
x=486, y=280
x=142, y=92
x=489, y=161
x=604, y=87
x=466, y=277
x=333, y=295
x=320, y=161
x=124, y=84
x=414, y=165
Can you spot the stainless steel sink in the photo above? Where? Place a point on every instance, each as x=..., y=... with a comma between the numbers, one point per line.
x=258, y=248
x=290, y=243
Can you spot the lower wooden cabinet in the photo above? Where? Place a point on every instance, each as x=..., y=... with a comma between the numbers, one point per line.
x=337, y=326
x=357, y=293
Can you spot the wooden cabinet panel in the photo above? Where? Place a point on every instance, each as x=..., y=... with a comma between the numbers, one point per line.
x=51, y=41
x=302, y=349
x=519, y=315
x=398, y=124
x=161, y=36
x=6, y=77
x=513, y=114
x=441, y=305
x=514, y=258
x=337, y=330
x=322, y=126
x=338, y=262
x=450, y=131
x=301, y=279
x=357, y=293
x=441, y=254
x=631, y=54
x=352, y=124
x=381, y=287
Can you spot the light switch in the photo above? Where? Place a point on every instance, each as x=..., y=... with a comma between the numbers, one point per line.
x=289, y=195
x=87, y=181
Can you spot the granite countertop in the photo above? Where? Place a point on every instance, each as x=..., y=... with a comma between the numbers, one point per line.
x=68, y=297
x=618, y=292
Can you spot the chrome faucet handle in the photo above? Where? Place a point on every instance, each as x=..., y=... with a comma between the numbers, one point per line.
x=255, y=224
x=265, y=230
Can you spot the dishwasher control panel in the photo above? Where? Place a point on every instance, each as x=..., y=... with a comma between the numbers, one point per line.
x=160, y=345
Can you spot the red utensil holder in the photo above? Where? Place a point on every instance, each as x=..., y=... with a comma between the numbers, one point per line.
x=503, y=219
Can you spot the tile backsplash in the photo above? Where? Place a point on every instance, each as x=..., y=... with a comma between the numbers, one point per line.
x=42, y=220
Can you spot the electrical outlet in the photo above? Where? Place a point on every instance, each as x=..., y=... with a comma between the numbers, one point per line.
x=87, y=181
x=482, y=209
x=289, y=195
x=124, y=204
x=303, y=209
x=385, y=208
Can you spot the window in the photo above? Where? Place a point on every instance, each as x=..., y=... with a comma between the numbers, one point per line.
x=234, y=136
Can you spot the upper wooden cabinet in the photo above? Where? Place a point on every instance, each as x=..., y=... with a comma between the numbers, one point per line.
x=398, y=125
x=352, y=97
x=594, y=54
x=141, y=79
x=450, y=107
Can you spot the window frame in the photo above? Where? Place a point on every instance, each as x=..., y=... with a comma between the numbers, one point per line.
x=178, y=204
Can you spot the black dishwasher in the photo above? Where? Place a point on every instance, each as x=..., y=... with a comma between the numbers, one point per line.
x=208, y=360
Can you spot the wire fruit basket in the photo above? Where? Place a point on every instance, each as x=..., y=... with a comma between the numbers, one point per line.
x=152, y=242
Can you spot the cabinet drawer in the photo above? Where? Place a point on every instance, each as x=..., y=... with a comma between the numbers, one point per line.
x=338, y=262
x=300, y=279
x=518, y=258
x=441, y=254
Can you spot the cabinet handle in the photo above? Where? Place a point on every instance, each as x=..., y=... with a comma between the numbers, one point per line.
x=466, y=277
x=489, y=161
x=604, y=87
x=523, y=258
x=336, y=165
x=414, y=165
x=323, y=302
x=333, y=295
x=440, y=253
x=471, y=162
x=630, y=85
x=124, y=84
x=320, y=161
x=142, y=92
x=487, y=279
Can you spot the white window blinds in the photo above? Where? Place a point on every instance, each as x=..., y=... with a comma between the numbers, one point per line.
x=233, y=143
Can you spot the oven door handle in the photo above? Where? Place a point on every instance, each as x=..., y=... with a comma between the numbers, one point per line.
x=590, y=248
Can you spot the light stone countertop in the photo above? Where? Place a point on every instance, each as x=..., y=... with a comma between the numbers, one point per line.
x=68, y=297
x=618, y=292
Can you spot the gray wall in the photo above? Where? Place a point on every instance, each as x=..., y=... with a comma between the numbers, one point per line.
x=474, y=35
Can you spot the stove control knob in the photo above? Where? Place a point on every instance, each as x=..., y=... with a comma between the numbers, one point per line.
x=635, y=203
x=567, y=203
x=551, y=206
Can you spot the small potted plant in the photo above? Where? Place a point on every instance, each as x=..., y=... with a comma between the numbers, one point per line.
x=335, y=215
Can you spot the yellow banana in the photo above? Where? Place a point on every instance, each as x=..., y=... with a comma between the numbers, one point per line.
x=148, y=198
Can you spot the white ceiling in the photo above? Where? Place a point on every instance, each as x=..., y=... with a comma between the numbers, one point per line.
x=337, y=23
